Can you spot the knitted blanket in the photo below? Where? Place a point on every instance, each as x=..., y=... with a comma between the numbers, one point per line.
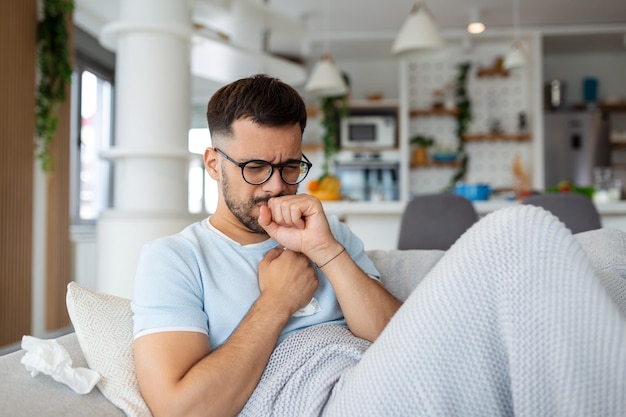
x=303, y=371
x=511, y=321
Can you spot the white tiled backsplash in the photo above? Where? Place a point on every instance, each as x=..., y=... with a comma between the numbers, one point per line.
x=492, y=98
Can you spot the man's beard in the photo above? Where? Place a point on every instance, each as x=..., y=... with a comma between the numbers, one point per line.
x=242, y=210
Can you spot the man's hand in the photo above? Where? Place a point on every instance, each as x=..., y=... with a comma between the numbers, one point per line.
x=298, y=222
x=288, y=277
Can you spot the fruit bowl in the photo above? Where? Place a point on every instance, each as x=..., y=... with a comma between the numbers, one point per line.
x=327, y=187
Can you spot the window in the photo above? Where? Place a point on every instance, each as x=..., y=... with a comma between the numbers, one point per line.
x=93, y=98
x=96, y=105
x=202, y=188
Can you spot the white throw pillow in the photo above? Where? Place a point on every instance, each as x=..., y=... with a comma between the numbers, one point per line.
x=104, y=328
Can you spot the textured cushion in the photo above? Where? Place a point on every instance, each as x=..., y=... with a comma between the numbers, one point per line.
x=104, y=328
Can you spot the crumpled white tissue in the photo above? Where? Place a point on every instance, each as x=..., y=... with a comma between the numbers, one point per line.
x=50, y=358
x=310, y=309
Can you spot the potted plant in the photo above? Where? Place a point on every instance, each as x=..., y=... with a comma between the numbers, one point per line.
x=420, y=145
x=328, y=186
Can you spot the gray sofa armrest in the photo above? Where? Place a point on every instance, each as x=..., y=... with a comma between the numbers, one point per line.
x=606, y=249
x=22, y=395
x=402, y=270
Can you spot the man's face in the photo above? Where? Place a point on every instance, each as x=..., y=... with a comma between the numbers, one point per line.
x=252, y=141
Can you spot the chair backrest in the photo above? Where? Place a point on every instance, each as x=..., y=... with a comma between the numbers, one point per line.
x=576, y=211
x=435, y=221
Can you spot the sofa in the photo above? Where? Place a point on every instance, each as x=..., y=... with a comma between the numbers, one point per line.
x=103, y=335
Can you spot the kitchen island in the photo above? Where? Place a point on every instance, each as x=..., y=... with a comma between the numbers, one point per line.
x=378, y=223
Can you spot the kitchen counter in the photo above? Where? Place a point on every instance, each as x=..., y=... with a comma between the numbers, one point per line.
x=378, y=223
x=482, y=207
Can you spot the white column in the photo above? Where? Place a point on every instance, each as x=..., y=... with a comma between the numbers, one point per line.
x=152, y=117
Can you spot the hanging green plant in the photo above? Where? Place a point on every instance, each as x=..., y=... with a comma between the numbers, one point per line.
x=463, y=120
x=333, y=109
x=55, y=73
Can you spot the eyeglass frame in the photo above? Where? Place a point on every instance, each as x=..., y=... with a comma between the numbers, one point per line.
x=280, y=167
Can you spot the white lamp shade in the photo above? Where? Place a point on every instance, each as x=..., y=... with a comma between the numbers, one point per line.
x=326, y=80
x=516, y=57
x=418, y=32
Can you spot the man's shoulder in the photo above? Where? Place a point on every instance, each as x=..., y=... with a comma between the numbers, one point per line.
x=191, y=236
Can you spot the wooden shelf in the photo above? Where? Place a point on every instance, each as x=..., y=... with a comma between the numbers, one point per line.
x=313, y=111
x=437, y=164
x=435, y=111
x=492, y=72
x=616, y=107
x=608, y=107
x=312, y=147
x=497, y=137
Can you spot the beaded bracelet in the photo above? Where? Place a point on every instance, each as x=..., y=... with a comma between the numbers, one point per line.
x=331, y=259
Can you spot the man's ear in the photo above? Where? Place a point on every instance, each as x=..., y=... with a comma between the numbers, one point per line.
x=211, y=163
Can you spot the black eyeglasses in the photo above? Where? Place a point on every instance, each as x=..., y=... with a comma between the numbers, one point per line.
x=257, y=171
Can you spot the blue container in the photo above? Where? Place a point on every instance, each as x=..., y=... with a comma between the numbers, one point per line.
x=473, y=192
x=590, y=89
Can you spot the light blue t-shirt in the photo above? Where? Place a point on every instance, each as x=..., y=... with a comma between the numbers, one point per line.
x=201, y=280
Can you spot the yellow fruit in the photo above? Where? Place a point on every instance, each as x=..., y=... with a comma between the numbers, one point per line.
x=328, y=188
x=313, y=185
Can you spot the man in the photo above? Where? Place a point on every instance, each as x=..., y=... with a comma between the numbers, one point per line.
x=245, y=312
x=213, y=301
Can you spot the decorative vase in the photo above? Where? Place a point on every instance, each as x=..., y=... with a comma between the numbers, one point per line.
x=420, y=156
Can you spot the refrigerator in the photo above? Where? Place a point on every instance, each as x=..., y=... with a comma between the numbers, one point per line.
x=574, y=143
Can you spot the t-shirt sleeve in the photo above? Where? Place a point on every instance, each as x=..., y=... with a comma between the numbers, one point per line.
x=168, y=294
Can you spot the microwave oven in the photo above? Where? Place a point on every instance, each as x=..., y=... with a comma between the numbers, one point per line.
x=368, y=132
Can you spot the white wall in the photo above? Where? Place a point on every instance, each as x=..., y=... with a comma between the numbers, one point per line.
x=372, y=77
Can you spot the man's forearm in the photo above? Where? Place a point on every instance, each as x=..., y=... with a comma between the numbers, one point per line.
x=366, y=305
x=221, y=383
x=237, y=365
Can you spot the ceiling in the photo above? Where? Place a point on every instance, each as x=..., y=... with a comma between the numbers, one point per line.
x=365, y=29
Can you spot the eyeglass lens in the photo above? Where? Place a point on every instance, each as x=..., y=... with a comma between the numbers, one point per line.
x=292, y=172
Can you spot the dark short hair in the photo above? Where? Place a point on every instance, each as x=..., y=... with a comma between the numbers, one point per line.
x=263, y=99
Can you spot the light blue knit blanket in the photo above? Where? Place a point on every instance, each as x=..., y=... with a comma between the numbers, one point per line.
x=513, y=320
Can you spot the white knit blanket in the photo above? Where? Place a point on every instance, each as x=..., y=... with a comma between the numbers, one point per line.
x=303, y=371
x=511, y=321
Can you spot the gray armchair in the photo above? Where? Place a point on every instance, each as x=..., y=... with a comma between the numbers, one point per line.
x=435, y=221
x=576, y=211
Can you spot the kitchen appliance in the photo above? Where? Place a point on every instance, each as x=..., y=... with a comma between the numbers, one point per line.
x=369, y=177
x=575, y=142
x=368, y=131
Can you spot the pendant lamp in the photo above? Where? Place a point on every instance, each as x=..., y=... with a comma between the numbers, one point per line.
x=419, y=32
x=326, y=80
x=516, y=57
x=476, y=24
